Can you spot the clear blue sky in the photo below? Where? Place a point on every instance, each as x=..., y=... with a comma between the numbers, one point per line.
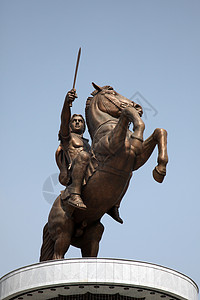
x=150, y=47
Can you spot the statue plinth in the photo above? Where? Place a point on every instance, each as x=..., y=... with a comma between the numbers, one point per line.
x=97, y=278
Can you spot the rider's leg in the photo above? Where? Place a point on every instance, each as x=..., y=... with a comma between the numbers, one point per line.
x=78, y=171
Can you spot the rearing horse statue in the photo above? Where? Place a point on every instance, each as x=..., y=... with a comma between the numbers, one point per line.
x=116, y=153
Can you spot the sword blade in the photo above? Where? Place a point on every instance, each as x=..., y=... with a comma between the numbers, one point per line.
x=77, y=63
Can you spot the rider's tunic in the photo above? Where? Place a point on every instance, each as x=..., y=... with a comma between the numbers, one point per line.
x=70, y=147
x=73, y=145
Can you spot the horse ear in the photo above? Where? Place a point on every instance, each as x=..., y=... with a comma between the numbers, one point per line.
x=97, y=87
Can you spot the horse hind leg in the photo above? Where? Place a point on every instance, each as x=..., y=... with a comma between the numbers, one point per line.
x=160, y=170
x=91, y=239
x=63, y=240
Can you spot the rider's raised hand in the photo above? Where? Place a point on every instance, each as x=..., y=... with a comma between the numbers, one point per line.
x=71, y=96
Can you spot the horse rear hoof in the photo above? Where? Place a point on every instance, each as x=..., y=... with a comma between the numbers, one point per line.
x=158, y=176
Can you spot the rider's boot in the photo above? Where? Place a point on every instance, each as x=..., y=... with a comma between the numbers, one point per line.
x=64, y=196
x=114, y=213
x=78, y=171
x=76, y=201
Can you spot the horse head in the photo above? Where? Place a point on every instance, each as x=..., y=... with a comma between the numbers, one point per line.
x=106, y=105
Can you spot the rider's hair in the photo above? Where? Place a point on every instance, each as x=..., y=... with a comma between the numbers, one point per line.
x=76, y=115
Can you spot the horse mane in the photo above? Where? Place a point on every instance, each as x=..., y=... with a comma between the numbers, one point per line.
x=89, y=100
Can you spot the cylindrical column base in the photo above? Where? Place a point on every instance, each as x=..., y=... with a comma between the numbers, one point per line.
x=96, y=278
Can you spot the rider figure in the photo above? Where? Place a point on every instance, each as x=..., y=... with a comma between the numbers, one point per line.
x=73, y=155
x=76, y=151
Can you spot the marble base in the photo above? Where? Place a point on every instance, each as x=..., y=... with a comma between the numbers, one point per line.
x=134, y=279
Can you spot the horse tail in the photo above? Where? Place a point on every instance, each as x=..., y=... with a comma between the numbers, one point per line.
x=47, y=249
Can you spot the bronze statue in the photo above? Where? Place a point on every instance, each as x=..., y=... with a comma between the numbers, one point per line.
x=72, y=156
x=115, y=153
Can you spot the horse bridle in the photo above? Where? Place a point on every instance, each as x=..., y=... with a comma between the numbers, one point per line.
x=119, y=104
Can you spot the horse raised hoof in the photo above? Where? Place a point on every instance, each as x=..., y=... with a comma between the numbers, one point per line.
x=158, y=175
x=76, y=201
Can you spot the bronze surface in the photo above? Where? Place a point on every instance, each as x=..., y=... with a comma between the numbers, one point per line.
x=97, y=178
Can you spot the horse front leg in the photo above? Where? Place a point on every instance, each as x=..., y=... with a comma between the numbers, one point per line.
x=160, y=170
x=159, y=137
x=119, y=133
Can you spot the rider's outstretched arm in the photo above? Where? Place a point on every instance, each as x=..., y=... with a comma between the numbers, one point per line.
x=66, y=113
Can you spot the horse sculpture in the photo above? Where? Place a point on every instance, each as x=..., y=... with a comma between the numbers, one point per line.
x=116, y=153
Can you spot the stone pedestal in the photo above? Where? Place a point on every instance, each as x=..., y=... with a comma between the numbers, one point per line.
x=96, y=278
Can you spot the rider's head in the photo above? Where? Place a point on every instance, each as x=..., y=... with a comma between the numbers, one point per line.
x=77, y=124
